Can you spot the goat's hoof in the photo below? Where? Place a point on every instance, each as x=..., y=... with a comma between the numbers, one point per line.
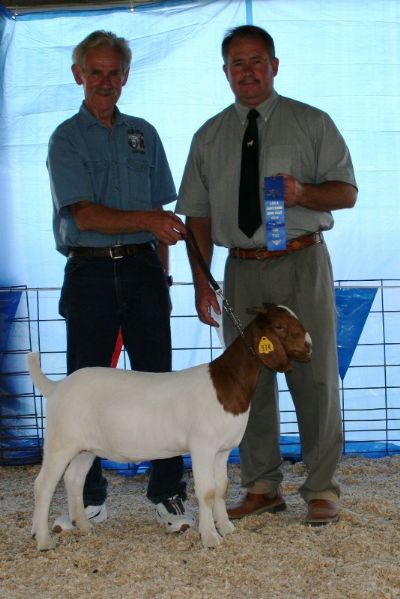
x=226, y=528
x=84, y=526
x=85, y=530
x=211, y=539
x=46, y=545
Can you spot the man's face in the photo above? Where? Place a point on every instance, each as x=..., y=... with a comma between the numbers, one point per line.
x=102, y=79
x=250, y=71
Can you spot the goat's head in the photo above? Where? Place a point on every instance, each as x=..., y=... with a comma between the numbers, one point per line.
x=278, y=336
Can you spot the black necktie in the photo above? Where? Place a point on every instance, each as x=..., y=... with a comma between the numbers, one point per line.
x=249, y=190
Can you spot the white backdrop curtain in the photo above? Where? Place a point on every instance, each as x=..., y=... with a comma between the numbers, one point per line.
x=342, y=56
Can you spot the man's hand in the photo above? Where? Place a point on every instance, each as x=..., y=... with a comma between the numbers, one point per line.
x=293, y=190
x=326, y=196
x=205, y=297
x=166, y=226
x=205, y=300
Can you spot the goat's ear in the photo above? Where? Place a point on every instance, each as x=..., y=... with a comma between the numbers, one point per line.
x=253, y=310
x=267, y=306
x=271, y=351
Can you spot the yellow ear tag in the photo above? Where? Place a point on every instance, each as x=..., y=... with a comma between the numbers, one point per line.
x=265, y=346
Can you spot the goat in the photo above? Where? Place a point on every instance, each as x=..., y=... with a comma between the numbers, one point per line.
x=128, y=416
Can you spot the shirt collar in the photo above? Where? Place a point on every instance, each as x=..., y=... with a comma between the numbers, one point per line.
x=265, y=108
x=91, y=120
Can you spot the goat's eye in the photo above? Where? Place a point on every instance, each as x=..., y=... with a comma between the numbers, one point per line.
x=280, y=328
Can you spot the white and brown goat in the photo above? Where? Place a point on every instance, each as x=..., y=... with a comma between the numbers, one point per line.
x=128, y=416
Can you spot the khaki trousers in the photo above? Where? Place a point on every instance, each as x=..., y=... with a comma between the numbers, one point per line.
x=303, y=282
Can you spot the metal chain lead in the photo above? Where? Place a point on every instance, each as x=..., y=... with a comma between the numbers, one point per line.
x=193, y=246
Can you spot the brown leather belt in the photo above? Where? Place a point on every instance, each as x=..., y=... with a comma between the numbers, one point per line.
x=262, y=253
x=114, y=252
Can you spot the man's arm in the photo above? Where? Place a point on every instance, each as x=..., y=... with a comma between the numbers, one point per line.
x=204, y=295
x=330, y=195
x=166, y=226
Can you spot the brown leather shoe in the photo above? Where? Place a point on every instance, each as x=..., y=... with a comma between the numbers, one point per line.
x=322, y=511
x=254, y=503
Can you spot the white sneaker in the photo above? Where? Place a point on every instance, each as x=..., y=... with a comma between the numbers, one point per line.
x=94, y=513
x=173, y=515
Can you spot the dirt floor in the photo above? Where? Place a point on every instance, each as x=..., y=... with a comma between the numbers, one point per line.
x=268, y=556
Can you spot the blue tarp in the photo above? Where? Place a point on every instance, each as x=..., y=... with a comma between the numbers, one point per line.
x=353, y=305
x=9, y=300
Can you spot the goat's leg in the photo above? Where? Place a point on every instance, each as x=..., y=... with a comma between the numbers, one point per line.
x=74, y=479
x=203, y=474
x=224, y=525
x=45, y=484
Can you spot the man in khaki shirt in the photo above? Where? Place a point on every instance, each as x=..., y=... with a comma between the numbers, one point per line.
x=302, y=144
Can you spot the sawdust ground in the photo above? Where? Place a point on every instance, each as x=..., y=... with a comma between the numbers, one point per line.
x=268, y=556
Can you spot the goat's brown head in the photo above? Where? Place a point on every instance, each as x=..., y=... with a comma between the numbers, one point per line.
x=278, y=337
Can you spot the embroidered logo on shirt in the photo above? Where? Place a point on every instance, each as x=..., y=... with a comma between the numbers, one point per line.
x=136, y=140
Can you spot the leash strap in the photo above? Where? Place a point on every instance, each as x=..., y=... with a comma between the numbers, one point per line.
x=195, y=250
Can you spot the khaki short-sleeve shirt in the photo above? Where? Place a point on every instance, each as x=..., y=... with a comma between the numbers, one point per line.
x=295, y=138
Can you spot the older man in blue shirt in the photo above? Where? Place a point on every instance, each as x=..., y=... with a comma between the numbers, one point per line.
x=109, y=180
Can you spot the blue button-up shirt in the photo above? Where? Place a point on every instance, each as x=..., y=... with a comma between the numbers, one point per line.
x=124, y=167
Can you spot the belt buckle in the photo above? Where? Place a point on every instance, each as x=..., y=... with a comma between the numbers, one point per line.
x=113, y=251
x=260, y=253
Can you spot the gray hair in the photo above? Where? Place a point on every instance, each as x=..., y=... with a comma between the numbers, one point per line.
x=102, y=38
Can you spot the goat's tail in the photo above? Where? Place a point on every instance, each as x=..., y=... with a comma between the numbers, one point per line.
x=44, y=384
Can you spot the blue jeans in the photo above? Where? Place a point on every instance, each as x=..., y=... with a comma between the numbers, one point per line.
x=99, y=296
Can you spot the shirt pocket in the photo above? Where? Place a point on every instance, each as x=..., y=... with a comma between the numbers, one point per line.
x=138, y=182
x=99, y=171
x=282, y=159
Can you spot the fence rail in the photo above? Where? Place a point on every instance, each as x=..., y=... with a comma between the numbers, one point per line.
x=370, y=389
